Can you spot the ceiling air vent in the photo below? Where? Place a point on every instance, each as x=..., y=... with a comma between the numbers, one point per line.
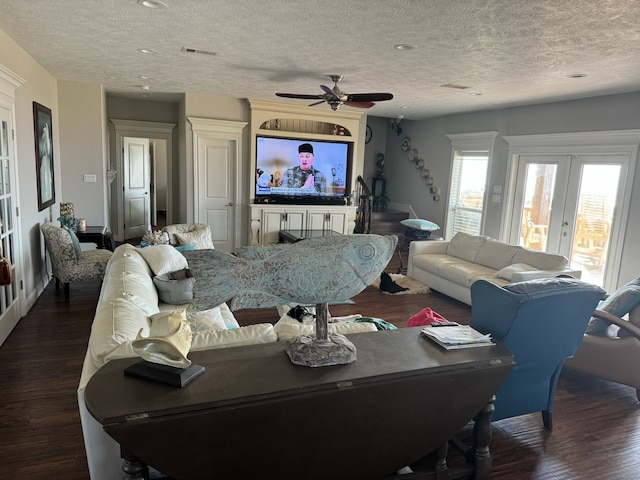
x=455, y=86
x=195, y=50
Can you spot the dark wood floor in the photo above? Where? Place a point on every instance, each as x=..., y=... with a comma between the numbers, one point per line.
x=596, y=423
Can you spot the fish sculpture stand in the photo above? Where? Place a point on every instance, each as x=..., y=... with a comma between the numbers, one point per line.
x=315, y=271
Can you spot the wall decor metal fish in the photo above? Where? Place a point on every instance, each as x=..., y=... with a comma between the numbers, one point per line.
x=309, y=272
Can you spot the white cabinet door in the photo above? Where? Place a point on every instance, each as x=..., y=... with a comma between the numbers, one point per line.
x=270, y=225
x=339, y=222
x=317, y=220
x=294, y=219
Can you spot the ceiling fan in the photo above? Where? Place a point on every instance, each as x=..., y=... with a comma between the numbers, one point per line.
x=336, y=97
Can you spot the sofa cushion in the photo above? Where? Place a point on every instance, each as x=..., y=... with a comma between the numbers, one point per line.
x=176, y=287
x=465, y=246
x=163, y=259
x=540, y=260
x=249, y=335
x=508, y=271
x=288, y=328
x=496, y=254
x=116, y=322
x=464, y=273
x=128, y=276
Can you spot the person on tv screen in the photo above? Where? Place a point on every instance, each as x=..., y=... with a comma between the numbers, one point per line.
x=304, y=175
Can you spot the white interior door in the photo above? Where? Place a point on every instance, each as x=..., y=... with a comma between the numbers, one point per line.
x=216, y=190
x=10, y=310
x=568, y=204
x=137, y=182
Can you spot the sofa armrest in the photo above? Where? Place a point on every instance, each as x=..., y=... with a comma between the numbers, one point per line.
x=533, y=274
x=435, y=246
x=626, y=325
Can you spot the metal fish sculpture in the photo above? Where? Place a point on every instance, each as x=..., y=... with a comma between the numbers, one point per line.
x=317, y=270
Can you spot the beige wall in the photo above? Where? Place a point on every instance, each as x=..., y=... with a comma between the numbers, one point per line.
x=82, y=150
x=41, y=87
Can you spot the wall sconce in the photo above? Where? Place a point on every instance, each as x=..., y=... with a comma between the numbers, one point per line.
x=396, y=125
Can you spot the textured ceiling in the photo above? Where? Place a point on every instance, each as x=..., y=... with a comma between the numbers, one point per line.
x=508, y=52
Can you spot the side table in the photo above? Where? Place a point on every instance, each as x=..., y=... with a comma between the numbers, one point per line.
x=407, y=237
x=99, y=235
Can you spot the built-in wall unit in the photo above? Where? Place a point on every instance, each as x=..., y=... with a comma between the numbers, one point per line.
x=278, y=132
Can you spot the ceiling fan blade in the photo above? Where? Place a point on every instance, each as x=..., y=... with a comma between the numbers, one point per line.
x=330, y=92
x=295, y=95
x=316, y=103
x=369, y=97
x=359, y=104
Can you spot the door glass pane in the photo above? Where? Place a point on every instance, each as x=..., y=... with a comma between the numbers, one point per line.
x=540, y=182
x=6, y=177
x=4, y=140
x=596, y=202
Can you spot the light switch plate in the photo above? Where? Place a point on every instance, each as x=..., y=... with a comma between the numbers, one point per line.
x=90, y=178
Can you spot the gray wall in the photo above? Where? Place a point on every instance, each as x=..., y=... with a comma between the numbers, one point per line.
x=404, y=186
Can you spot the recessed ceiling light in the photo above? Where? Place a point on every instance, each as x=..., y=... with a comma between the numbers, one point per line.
x=152, y=3
x=145, y=87
x=577, y=75
x=404, y=46
x=476, y=94
x=147, y=50
x=405, y=107
x=144, y=77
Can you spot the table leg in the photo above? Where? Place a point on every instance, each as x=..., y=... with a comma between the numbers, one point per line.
x=132, y=467
x=479, y=453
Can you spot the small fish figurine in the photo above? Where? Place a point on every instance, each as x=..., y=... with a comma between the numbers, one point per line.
x=309, y=272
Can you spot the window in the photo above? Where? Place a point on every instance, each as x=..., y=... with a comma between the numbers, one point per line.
x=466, y=198
x=469, y=167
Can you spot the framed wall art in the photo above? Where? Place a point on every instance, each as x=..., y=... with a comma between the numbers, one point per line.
x=43, y=133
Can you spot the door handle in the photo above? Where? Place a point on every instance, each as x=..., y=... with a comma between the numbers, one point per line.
x=230, y=204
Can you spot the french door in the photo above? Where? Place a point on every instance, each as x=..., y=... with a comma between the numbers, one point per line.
x=10, y=307
x=571, y=204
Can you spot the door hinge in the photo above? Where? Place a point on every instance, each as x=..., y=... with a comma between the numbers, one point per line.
x=17, y=211
x=21, y=285
x=13, y=134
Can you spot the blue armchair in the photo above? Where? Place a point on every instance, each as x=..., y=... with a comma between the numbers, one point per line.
x=542, y=322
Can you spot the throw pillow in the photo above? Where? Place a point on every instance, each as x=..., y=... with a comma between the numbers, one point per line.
x=420, y=224
x=75, y=241
x=619, y=303
x=175, y=288
x=163, y=259
x=508, y=271
x=206, y=320
x=184, y=248
x=198, y=238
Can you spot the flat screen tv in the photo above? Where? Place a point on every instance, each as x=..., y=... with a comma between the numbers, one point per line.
x=299, y=171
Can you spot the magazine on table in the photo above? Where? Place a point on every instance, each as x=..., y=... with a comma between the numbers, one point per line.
x=453, y=337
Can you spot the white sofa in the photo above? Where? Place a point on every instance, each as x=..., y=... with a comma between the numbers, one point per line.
x=127, y=300
x=450, y=267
